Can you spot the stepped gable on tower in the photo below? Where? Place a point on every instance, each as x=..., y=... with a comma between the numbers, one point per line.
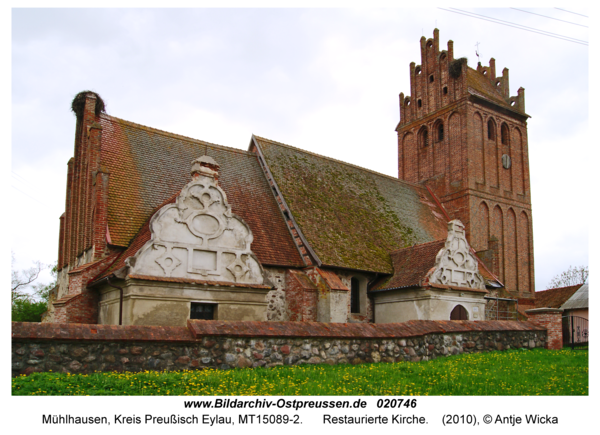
x=464, y=136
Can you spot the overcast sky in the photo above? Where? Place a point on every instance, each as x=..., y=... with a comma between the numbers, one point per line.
x=324, y=80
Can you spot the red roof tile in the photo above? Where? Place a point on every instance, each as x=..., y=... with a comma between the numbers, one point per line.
x=555, y=297
x=412, y=264
x=149, y=166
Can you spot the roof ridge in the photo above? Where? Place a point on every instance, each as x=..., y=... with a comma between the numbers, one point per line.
x=340, y=161
x=559, y=288
x=112, y=118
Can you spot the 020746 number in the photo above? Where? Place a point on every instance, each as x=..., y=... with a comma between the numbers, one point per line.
x=397, y=403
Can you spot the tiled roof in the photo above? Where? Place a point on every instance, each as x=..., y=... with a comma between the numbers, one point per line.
x=555, y=297
x=148, y=166
x=484, y=88
x=136, y=244
x=412, y=264
x=352, y=217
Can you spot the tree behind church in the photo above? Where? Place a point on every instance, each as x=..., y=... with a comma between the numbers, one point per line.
x=29, y=300
x=572, y=276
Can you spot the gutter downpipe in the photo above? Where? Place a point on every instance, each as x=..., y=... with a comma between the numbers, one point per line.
x=120, y=299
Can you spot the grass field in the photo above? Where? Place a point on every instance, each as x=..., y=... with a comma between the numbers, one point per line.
x=517, y=372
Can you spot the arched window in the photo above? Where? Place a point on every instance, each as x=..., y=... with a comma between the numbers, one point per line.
x=424, y=137
x=459, y=313
x=491, y=130
x=440, y=132
x=504, y=134
x=354, y=295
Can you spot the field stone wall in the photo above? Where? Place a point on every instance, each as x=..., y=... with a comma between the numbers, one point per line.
x=225, y=345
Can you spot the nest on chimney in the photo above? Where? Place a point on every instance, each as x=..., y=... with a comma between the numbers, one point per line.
x=78, y=104
x=455, y=67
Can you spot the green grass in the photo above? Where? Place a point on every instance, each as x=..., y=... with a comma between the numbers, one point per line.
x=518, y=372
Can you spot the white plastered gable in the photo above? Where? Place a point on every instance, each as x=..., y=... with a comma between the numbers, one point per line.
x=198, y=237
x=455, y=264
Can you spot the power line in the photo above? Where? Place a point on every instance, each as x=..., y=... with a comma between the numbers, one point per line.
x=543, y=32
x=516, y=26
x=18, y=176
x=35, y=199
x=552, y=18
x=571, y=12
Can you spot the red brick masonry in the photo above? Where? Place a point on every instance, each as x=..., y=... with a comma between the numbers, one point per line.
x=85, y=348
x=551, y=320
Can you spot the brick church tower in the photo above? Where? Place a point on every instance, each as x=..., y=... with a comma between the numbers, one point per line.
x=464, y=137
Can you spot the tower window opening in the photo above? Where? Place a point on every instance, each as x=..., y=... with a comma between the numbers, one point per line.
x=431, y=78
x=419, y=104
x=440, y=132
x=504, y=134
x=491, y=130
x=445, y=90
x=424, y=138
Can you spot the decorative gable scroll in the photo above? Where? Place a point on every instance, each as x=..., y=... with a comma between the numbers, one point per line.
x=199, y=237
x=455, y=264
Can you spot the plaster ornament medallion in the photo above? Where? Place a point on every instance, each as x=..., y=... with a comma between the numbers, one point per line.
x=168, y=262
x=238, y=269
x=506, y=161
x=198, y=237
x=455, y=264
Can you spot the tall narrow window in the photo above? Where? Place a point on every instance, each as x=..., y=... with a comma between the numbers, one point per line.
x=440, y=132
x=424, y=137
x=491, y=130
x=354, y=295
x=504, y=134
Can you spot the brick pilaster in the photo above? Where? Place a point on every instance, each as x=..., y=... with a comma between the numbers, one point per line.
x=551, y=319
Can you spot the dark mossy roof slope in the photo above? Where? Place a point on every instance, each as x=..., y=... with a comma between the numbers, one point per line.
x=149, y=166
x=352, y=217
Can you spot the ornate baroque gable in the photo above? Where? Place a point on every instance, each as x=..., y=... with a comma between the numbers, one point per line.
x=199, y=237
x=455, y=264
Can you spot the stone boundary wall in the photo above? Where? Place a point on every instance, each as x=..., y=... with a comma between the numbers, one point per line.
x=83, y=348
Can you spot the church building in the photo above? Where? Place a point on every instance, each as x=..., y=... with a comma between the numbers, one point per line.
x=160, y=228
